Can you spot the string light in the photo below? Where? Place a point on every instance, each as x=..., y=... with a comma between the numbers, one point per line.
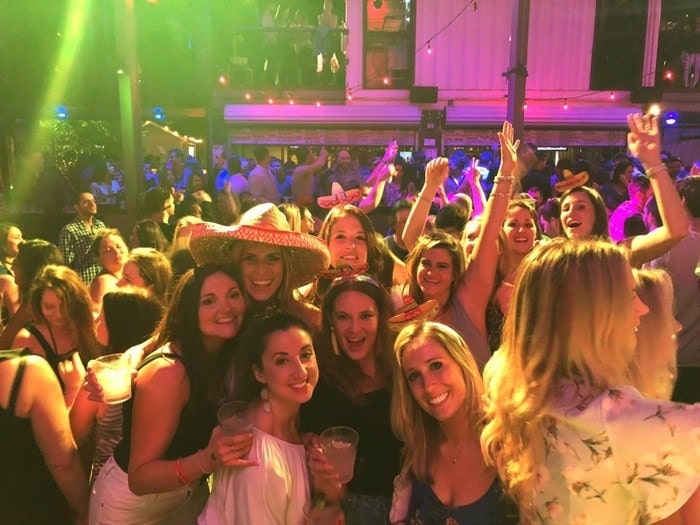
x=430, y=49
x=566, y=104
x=612, y=96
x=291, y=102
x=349, y=96
x=385, y=81
x=454, y=19
x=223, y=80
x=270, y=101
x=318, y=104
x=247, y=96
x=525, y=106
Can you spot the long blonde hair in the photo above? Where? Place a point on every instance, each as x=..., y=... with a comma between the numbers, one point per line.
x=419, y=431
x=654, y=368
x=564, y=321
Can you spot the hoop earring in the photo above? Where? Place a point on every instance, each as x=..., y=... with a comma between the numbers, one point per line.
x=265, y=396
x=334, y=343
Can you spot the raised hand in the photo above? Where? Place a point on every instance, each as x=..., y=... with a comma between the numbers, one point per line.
x=471, y=173
x=508, y=149
x=644, y=138
x=436, y=172
x=391, y=150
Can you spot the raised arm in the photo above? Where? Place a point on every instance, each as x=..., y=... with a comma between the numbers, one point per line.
x=436, y=172
x=478, y=281
x=473, y=180
x=379, y=176
x=644, y=142
x=306, y=170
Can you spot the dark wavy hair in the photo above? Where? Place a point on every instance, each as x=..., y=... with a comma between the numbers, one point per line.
x=600, y=224
x=340, y=370
x=253, y=345
x=131, y=315
x=374, y=252
x=32, y=256
x=180, y=324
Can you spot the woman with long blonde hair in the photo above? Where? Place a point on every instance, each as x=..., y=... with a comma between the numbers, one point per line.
x=654, y=369
x=560, y=410
x=437, y=411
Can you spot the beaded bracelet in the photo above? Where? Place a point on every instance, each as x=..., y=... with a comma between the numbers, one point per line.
x=502, y=178
x=655, y=169
x=500, y=194
x=178, y=472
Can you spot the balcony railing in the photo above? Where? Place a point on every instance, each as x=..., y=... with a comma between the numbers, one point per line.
x=288, y=58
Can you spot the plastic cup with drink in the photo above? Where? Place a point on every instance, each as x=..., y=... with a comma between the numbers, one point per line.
x=339, y=445
x=113, y=373
x=236, y=417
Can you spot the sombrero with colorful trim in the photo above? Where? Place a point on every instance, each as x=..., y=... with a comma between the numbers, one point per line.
x=339, y=196
x=571, y=180
x=412, y=312
x=265, y=224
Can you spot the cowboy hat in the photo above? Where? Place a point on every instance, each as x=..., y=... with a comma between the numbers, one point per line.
x=571, y=180
x=265, y=224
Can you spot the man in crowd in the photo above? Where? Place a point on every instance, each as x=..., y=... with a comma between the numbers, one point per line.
x=344, y=173
x=262, y=182
x=76, y=238
x=303, y=175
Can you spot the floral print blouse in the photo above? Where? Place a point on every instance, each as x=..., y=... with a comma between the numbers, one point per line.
x=616, y=457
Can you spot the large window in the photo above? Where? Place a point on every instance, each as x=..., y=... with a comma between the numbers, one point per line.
x=389, y=36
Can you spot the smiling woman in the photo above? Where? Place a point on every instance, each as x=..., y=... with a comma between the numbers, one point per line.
x=274, y=260
x=436, y=410
x=171, y=441
x=276, y=373
x=354, y=354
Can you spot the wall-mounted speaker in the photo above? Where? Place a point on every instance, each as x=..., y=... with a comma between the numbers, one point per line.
x=423, y=95
x=645, y=95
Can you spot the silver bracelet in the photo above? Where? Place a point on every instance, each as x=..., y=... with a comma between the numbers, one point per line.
x=199, y=464
x=656, y=169
x=502, y=178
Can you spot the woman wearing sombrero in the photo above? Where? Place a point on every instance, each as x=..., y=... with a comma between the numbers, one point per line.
x=583, y=212
x=274, y=261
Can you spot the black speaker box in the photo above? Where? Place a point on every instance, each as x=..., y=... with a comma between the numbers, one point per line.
x=645, y=94
x=423, y=95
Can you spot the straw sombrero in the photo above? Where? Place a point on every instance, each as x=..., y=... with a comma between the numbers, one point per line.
x=266, y=224
x=571, y=180
x=339, y=196
x=412, y=312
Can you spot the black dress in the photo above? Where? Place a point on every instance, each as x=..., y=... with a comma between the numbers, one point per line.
x=28, y=493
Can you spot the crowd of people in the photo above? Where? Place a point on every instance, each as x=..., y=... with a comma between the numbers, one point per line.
x=502, y=353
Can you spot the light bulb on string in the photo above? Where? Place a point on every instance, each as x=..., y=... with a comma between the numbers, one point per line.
x=612, y=96
x=525, y=106
x=566, y=104
x=270, y=101
x=318, y=104
x=247, y=96
x=223, y=80
x=430, y=49
x=349, y=96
